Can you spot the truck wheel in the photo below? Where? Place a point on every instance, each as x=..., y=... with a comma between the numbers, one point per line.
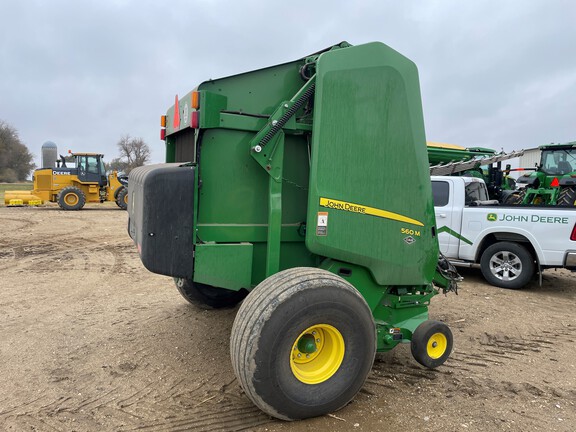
x=567, y=197
x=206, y=296
x=507, y=265
x=303, y=343
x=71, y=198
x=431, y=343
x=122, y=198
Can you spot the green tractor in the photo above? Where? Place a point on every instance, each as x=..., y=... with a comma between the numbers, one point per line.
x=553, y=181
x=301, y=190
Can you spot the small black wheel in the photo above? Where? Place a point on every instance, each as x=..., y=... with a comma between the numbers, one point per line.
x=71, y=198
x=122, y=198
x=303, y=343
x=431, y=343
x=206, y=296
x=507, y=265
x=567, y=197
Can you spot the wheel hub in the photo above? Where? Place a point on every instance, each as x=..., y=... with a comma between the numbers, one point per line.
x=505, y=266
x=437, y=345
x=317, y=353
x=307, y=344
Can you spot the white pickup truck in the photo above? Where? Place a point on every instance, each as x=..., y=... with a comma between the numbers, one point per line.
x=508, y=243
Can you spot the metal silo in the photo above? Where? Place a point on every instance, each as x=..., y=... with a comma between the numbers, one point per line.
x=49, y=154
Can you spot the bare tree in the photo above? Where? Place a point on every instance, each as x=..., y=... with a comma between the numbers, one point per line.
x=15, y=159
x=134, y=152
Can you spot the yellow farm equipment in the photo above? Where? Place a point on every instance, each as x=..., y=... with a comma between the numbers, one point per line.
x=73, y=187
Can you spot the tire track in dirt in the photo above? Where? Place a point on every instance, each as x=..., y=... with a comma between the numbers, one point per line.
x=467, y=372
x=210, y=415
x=21, y=224
x=174, y=409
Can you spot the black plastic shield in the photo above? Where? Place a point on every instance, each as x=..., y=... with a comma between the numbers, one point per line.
x=161, y=217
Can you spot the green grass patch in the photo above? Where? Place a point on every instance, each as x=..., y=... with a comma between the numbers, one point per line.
x=13, y=186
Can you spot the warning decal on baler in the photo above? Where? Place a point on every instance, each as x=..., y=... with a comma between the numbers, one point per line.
x=322, y=226
x=358, y=208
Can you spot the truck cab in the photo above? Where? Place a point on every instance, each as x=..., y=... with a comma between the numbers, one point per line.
x=448, y=209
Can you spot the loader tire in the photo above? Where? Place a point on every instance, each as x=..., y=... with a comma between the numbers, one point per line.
x=303, y=343
x=431, y=343
x=122, y=198
x=71, y=198
x=507, y=265
x=567, y=197
x=206, y=296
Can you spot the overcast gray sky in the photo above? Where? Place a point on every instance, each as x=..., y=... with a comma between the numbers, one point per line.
x=499, y=74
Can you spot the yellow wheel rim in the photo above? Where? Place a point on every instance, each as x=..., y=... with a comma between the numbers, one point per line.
x=437, y=345
x=317, y=354
x=126, y=199
x=71, y=199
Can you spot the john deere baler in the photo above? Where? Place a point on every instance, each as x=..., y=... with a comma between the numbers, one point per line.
x=302, y=190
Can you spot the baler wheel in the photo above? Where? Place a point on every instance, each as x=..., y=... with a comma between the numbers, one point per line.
x=431, y=343
x=122, y=198
x=71, y=198
x=303, y=343
x=206, y=296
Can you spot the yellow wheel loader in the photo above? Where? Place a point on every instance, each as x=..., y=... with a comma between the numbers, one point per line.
x=73, y=187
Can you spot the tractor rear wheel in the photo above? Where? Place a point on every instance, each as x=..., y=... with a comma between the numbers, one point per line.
x=122, y=198
x=431, y=343
x=303, y=343
x=71, y=198
x=206, y=296
x=515, y=198
x=507, y=265
x=567, y=196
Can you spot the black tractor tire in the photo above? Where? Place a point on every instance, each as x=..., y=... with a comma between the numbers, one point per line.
x=515, y=198
x=122, y=198
x=303, y=343
x=71, y=198
x=431, y=343
x=567, y=197
x=208, y=297
x=507, y=265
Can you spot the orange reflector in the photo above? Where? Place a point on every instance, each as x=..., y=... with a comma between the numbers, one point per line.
x=195, y=119
x=195, y=100
x=162, y=134
x=555, y=182
x=163, y=121
x=176, y=121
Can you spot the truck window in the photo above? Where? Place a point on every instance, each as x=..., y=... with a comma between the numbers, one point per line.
x=475, y=191
x=440, y=192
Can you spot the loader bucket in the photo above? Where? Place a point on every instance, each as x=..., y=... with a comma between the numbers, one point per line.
x=18, y=198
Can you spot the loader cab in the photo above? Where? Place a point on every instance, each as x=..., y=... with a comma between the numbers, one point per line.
x=91, y=169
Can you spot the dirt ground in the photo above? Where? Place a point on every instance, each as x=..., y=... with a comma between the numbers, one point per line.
x=91, y=341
